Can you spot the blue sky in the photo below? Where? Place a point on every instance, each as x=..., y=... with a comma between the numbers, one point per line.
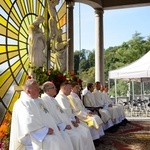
x=119, y=25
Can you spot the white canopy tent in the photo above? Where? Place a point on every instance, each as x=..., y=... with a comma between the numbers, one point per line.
x=138, y=71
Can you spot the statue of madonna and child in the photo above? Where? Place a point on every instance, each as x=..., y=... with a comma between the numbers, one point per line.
x=37, y=44
x=37, y=41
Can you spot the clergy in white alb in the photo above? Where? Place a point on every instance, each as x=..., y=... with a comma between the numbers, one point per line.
x=84, y=114
x=109, y=105
x=63, y=101
x=119, y=107
x=32, y=126
x=61, y=119
x=89, y=101
x=93, y=121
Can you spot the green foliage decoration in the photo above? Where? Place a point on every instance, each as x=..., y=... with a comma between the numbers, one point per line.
x=55, y=76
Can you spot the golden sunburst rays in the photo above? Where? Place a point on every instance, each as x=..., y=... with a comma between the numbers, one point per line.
x=16, y=15
x=15, y=18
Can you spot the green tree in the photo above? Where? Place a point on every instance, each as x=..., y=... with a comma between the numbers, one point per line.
x=76, y=61
x=119, y=56
x=83, y=60
x=114, y=57
x=88, y=76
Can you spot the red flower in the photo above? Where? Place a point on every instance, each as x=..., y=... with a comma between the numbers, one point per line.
x=60, y=75
x=57, y=83
x=64, y=78
x=79, y=80
x=29, y=77
x=72, y=73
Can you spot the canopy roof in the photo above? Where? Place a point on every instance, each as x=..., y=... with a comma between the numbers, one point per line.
x=114, y=4
x=138, y=71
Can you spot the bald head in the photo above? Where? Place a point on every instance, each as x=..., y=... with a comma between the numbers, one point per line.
x=49, y=88
x=47, y=85
x=31, y=88
x=28, y=84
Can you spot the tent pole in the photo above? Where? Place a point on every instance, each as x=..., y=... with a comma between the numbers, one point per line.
x=133, y=97
x=116, y=91
x=141, y=90
x=128, y=92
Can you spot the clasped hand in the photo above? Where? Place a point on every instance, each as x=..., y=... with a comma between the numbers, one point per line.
x=75, y=124
x=68, y=127
x=50, y=131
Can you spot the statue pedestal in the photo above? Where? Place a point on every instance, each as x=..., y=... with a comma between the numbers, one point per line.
x=18, y=88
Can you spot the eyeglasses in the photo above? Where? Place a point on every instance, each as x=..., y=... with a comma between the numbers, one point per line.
x=52, y=87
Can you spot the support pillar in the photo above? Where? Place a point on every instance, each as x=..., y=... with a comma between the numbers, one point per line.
x=70, y=35
x=99, y=48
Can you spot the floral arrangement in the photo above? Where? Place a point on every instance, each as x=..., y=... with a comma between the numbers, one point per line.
x=5, y=132
x=55, y=76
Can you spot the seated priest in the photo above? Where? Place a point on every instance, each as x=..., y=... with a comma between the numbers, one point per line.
x=63, y=101
x=93, y=121
x=109, y=117
x=60, y=117
x=32, y=126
